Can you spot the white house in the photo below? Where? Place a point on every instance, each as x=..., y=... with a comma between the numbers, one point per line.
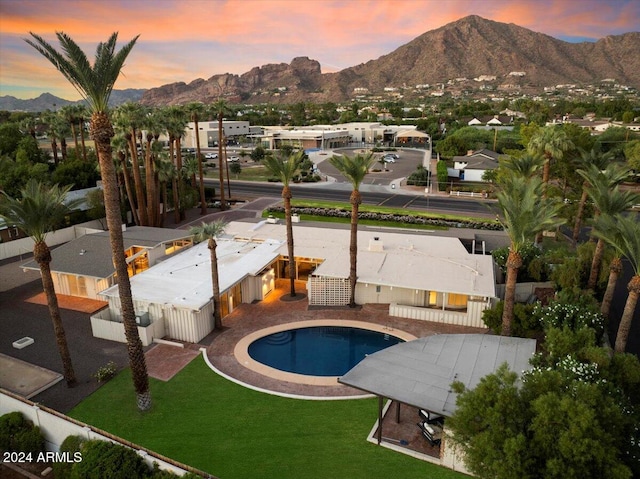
x=473, y=166
x=83, y=267
x=420, y=276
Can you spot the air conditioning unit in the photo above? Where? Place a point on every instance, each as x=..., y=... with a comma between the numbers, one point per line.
x=142, y=319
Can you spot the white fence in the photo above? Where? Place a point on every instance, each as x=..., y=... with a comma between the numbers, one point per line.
x=102, y=326
x=24, y=246
x=472, y=317
x=56, y=427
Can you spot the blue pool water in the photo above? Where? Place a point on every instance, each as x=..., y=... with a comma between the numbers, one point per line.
x=319, y=350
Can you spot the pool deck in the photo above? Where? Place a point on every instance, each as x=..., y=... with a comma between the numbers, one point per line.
x=226, y=350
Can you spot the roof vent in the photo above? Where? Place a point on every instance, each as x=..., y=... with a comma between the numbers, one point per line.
x=375, y=244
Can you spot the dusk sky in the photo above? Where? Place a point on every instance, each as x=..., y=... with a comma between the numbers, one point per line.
x=182, y=40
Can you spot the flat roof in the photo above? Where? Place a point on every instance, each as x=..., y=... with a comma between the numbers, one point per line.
x=413, y=261
x=90, y=255
x=420, y=372
x=184, y=280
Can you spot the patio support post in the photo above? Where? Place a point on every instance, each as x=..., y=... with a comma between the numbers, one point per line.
x=379, y=420
x=397, y=412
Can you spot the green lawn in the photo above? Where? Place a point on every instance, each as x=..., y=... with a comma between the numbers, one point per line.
x=210, y=423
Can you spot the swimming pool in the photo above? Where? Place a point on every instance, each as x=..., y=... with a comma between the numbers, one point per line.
x=319, y=350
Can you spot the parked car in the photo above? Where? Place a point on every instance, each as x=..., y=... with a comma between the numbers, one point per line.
x=211, y=156
x=388, y=159
x=234, y=158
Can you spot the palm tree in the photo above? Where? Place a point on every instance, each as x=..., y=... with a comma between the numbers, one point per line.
x=166, y=172
x=622, y=233
x=129, y=118
x=196, y=110
x=220, y=108
x=550, y=142
x=40, y=210
x=354, y=170
x=609, y=200
x=119, y=145
x=592, y=162
x=209, y=232
x=525, y=166
x=525, y=214
x=95, y=84
x=176, y=124
x=285, y=170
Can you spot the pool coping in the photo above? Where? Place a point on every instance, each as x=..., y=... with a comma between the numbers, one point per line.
x=241, y=349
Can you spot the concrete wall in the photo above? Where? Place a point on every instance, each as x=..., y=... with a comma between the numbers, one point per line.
x=56, y=427
x=102, y=326
x=523, y=290
x=24, y=246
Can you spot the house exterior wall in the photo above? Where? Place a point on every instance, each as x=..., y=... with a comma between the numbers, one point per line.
x=61, y=284
x=188, y=325
x=472, y=175
x=256, y=288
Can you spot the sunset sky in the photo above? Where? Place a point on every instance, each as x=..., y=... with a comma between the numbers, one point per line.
x=182, y=40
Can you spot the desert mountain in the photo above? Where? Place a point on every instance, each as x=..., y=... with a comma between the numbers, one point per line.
x=471, y=47
x=47, y=101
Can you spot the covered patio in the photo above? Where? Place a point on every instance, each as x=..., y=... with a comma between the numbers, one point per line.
x=418, y=375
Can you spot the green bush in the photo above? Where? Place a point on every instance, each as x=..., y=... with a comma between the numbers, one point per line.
x=106, y=372
x=20, y=435
x=71, y=444
x=106, y=460
x=443, y=175
x=525, y=324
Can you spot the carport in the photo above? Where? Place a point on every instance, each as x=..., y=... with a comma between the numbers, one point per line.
x=419, y=373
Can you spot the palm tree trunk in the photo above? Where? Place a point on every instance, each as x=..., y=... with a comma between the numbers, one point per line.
x=217, y=316
x=223, y=204
x=137, y=180
x=286, y=194
x=84, y=148
x=42, y=255
x=128, y=188
x=580, y=214
x=164, y=204
x=203, y=199
x=615, y=268
x=514, y=262
x=54, y=150
x=63, y=148
x=595, y=265
x=152, y=211
x=353, y=246
x=627, y=315
x=102, y=132
x=179, y=205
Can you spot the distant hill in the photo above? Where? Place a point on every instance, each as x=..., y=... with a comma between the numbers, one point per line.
x=47, y=101
x=503, y=55
x=468, y=48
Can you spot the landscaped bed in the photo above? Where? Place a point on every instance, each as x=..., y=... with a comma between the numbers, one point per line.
x=210, y=423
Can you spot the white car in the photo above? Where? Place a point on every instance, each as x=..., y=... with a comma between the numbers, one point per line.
x=211, y=156
x=234, y=158
x=388, y=159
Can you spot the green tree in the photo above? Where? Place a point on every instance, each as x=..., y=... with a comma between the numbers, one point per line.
x=354, y=169
x=623, y=234
x=552, y=143
x=39, y=211
x=208, y=232
x=525, y=214
x=10, y=136
x=196, y=111
x=95, y=84
x=285, y=168
x=220, y=108
x=632, y=154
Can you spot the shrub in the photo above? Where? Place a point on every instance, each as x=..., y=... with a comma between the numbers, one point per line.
x=71, y=444
x=106, y=372
x=443, y=175
x=524, y=324
x=20, y=435
x=106, y=460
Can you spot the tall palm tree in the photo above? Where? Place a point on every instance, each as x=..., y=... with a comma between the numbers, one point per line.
x=550, y=142
x=40, y=210
x=50, y=119
x=208, y=232
x=176, y=124
x=622, y=233
x=525, y=214
x=81, y=114
x=166, y=171
x=592, y=162
x=119, y=145
x=354, y=169
x=129, y=118
x=196, y=111
x=526, y=166
x=220, y=109
x=95, y=84
x=609, y=200
x=285, y=170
